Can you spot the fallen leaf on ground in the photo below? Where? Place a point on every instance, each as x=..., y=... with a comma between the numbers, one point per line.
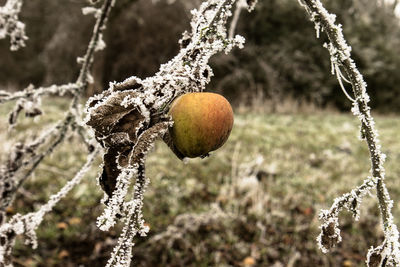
x=62, y=225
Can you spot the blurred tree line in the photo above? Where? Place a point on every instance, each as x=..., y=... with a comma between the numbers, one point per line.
x=281, y=59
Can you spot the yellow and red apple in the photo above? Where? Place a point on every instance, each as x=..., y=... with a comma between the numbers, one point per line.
x=202, y=123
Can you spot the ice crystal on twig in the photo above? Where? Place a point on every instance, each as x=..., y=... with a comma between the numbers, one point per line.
x=25, y=157
x=130, y=115
x=28, y=223
x=239, y=6
x=389, y=252
x=31, y=92
x=90, y=10
x=10, y=24
x=135, y=105
x=127, y=119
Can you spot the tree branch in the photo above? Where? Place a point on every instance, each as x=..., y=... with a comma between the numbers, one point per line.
x=31, y=155
x=94, y=41
x=29, y=92
x=341, y=57
x=10, y=24
x=28, y=223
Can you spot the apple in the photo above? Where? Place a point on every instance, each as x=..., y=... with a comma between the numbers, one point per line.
x=202, y=123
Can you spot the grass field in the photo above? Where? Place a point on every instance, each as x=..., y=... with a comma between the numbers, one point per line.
x=254, y=202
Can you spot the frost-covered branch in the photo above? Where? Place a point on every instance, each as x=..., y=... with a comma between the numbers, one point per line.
x=27, y=224
x=241, y=4
x=24, y=158
x=130, y=115
x=96, y=42
x=134, y=223
x=31, y=92
x=28, y=154
x=10, y=24
x=388, y=253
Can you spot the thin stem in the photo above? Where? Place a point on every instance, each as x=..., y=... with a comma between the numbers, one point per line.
x=98, y=28
x=359, y=88
x=82, y=80
x=28, y=157
x=28, y=92
x=239, y=6
x=31, y=221
x=60, y=130
x=340, y=54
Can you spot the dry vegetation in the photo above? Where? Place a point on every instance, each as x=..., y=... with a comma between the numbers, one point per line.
x=256, y=197
x=255, y=202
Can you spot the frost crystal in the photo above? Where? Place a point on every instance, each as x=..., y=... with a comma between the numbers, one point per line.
x=11, y=26
x=130, y=115
x=89, y=10
x=28, y=223
x=24, y=158
x=340, y=52
x=100, y=43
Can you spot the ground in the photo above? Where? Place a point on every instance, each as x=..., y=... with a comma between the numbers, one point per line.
x=254, y=202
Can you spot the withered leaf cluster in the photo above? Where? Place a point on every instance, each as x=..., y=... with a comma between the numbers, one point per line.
x=127, y=131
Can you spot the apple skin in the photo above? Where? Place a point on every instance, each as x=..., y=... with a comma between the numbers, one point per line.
x=202, y=123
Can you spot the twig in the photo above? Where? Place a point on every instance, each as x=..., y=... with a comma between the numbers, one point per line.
x=60, y=130
x=9, y=183
x=29, y=92
x=239, y=6
x=340, y=51
x=87, y=60
x=98, y=29
x=60, y=133
x=10, y=24
x=28, y=223
x=22, y=156
x=122, y=253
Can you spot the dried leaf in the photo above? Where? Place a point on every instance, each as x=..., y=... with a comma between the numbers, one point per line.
x=110, y=171
x=63, y=254
x=131, y=124
x=132, y=84
x=104, y=117
x=146, y=139
x=62, y=225
x=74, y=221
x=308, y=211
x=249, y=261
x=12, y=117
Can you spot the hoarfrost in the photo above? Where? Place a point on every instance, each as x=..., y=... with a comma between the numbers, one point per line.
x=10, y=24
x=89, y=10
x=340, y=54
x=28, y=223
x=144, y=102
